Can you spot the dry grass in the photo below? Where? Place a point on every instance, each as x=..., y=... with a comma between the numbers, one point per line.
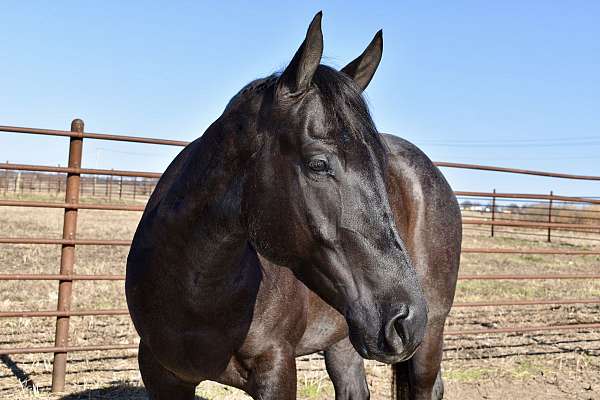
x=549, y=365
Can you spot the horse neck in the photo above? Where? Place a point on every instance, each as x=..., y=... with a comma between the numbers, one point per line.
x=199, y=211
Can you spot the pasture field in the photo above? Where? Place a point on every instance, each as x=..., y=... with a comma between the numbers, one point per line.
x=544, y=365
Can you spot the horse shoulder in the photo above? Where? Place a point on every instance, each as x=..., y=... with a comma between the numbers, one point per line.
x=428, y=219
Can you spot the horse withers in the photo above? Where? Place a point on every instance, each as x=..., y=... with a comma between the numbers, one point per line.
x=290, y=227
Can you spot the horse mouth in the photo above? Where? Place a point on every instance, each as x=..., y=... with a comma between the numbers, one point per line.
x=388, y=358
x=381, y=354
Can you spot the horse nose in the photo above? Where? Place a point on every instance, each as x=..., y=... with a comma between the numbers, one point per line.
x=405, y=331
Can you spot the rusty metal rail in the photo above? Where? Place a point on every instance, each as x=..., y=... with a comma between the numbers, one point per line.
x=144, y=174
x=522, y=329
x=66, y=276
x=57, y=277
x=60, y=277
x=516, y=171
x=527, y=224
x=132, y=346
x=527, y=277
x=491, y=250
x=66, y=349
x=71, y=242
x=88, y=135
x=79, y=206
x=104, y=242
x=138, y=139
x=79, y=170
x=73, y=313
x=537, y=302
x=124, y=311
x=531, y=196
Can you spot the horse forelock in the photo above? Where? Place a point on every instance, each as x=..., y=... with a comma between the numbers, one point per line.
x=345, y=108
x=348, y=120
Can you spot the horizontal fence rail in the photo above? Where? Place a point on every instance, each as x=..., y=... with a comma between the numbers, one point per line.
x=527, y=277
x=55, y=277
x=104, y=242
x=529, y=196
x=522, y=329
x=67, y=349
x=72, y=242
x=138, y=139
x=87, y=135
x=60, y=277
x=77, y=170
x=73, y=313
x=490, y=250
x=537, y=302
x=80, y=206
x=143, y=174
x=517, y=171
x=87, y=313
x=555, y=225
x=101, y=181
x=487, y=331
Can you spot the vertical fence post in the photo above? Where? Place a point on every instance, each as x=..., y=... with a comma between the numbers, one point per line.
x=134, y=185
x=550, y=216
x=121, y=187
x=67, y=258
x=493, y=210
x=5, y=181
x=110, y=183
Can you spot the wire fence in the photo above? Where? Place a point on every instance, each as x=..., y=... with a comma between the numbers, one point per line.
x=547, y=215
x=23, y=183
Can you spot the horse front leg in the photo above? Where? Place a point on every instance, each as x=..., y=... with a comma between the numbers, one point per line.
x=420, y=378
x=273, y=376
x=347, y=371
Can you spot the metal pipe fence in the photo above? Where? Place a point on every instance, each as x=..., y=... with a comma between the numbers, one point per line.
x=24, y=182
x=18, y=178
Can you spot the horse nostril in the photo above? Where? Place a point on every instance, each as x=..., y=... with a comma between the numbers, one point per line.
x=399, y=321
x=403, y=311
x=404, y=332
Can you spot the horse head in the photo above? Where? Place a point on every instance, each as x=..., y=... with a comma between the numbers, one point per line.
x=314, y=197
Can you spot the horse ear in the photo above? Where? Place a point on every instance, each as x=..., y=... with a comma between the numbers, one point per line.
x=362, y=69
x=298, y=75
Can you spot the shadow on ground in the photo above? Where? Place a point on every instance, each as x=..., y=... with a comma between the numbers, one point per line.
x=115, y=392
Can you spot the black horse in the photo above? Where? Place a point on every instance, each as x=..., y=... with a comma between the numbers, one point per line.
x=292, y=226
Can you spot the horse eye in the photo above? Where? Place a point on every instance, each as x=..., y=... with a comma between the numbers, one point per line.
x=318, y=165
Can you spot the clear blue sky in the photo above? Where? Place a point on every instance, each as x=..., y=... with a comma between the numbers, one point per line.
x=511, y=83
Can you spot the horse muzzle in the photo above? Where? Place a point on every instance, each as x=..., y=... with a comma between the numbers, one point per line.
x=398, y=338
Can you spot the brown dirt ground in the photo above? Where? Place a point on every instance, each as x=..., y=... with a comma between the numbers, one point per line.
x=544, y=365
